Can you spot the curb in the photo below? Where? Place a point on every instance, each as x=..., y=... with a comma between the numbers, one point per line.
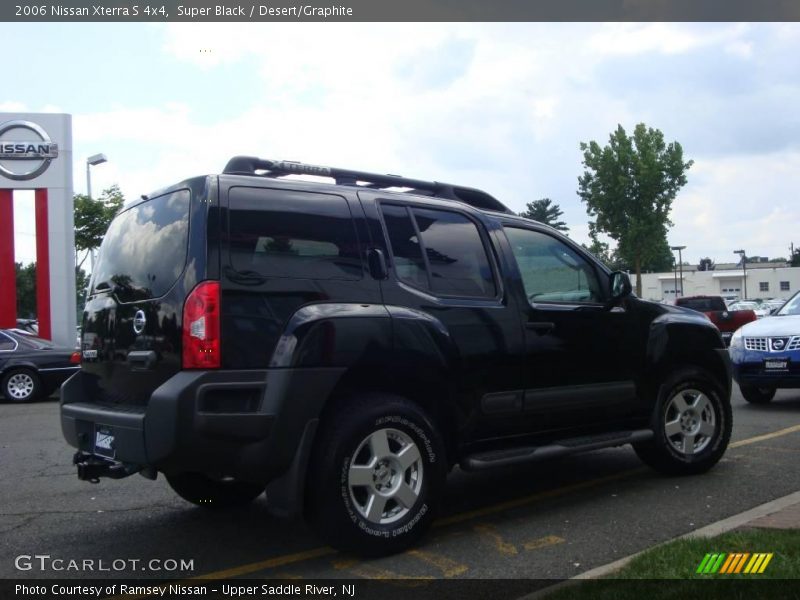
x=717, y=528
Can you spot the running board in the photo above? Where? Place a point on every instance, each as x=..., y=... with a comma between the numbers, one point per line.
x=514, y=456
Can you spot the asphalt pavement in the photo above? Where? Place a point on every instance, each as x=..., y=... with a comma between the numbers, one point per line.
x=541, y=521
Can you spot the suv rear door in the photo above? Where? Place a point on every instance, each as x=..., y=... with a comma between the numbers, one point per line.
x=442, y=263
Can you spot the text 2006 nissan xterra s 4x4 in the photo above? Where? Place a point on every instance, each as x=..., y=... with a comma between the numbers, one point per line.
x=345, y=344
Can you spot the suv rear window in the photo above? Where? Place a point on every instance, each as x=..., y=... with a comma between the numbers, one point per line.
x=702, y=304
x=144, y=250
x=284, y=233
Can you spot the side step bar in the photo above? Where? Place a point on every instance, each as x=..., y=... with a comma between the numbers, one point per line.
x=514, y=456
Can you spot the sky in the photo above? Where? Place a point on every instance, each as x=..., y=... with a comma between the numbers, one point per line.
x=501, y=107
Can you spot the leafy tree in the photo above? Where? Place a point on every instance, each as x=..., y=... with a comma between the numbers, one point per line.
x=601, y=250
x=628, y=187
x=795, y=260
x=546, y=212
x=26, y=290
x=662, y=259
x=706, y=264
x=93, y=216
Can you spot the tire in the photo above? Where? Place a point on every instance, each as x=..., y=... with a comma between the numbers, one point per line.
x=375, y=476
x=757, y=395
x=209, y=493
x=692, y=424
x=21, y=385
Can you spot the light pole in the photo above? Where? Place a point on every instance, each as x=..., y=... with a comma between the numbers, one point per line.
x=95, y=159
x=744, y=269
x=680, y=263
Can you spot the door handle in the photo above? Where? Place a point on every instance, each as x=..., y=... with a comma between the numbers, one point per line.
x=542, y=327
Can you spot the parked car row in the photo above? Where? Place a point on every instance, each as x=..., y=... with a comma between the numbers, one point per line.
x=31, y=367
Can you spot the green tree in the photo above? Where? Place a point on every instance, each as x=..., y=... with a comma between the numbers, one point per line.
x=795, y=260
x=546, y=212
x=602, y=250
x=628, y=187
x=92, y=218
x=26, y=290
x=706, y=264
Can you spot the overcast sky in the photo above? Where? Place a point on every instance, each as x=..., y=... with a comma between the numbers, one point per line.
x=502, y=107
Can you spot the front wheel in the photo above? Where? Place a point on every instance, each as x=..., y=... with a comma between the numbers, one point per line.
x=210, y=493
x=692, y=424
x=757, y=395
x=375, y=476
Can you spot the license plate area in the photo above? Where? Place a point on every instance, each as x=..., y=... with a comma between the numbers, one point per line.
x=776, y=364
x=104, y=442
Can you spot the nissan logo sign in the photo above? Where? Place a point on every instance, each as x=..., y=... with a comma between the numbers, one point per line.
x=25, y=150
x=139, y=321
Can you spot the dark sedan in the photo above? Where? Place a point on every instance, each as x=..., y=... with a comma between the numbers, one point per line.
x=31, y=367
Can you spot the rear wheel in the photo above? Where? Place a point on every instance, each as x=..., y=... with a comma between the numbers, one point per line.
x=21, y=385
x=375, y=476
x=691, y=423
x=211, y=493
x=757, y=395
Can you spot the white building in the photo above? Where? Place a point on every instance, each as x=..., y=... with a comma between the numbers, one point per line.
x=764, y=280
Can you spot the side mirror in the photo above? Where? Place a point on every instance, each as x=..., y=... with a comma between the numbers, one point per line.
x=377, y=264
x=620, y=285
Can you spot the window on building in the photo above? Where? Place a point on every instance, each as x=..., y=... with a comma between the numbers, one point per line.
x=763, y=286
x=785, y=286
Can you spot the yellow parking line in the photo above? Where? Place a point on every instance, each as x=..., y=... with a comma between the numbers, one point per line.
x=766, y=436
x=550, y=540
x=369, y=572
x=447, y=566
x=270, y=563
x=288, y=559
x=493, y=536
x=517, y=502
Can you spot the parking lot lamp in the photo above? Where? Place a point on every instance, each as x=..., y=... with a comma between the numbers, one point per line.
x=744, y=269
x=680, y=264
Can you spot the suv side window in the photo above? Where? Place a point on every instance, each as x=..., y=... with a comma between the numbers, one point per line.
x=552, y=271
x=284, y=233
x=440, y=251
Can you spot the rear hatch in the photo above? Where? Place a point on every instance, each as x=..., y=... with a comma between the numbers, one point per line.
x=131, y=336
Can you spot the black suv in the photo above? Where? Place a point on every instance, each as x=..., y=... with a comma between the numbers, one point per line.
x=346, y=344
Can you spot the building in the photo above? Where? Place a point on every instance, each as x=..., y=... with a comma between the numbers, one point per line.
x=764, y=280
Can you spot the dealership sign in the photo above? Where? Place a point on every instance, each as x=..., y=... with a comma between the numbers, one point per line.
x=36, y=155
x=25, y=150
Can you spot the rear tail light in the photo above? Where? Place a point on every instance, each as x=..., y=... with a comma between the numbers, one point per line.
x=201, y=327
x=75, y=358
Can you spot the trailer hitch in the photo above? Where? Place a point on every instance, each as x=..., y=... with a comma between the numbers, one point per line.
x=92, y=467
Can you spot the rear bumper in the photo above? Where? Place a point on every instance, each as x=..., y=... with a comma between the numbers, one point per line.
x=242, y=424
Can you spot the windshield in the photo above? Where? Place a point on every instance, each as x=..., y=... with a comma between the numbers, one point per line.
x=144, y=250
x=792, y=307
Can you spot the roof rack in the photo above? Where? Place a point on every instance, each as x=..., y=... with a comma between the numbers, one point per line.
x=250, y=165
